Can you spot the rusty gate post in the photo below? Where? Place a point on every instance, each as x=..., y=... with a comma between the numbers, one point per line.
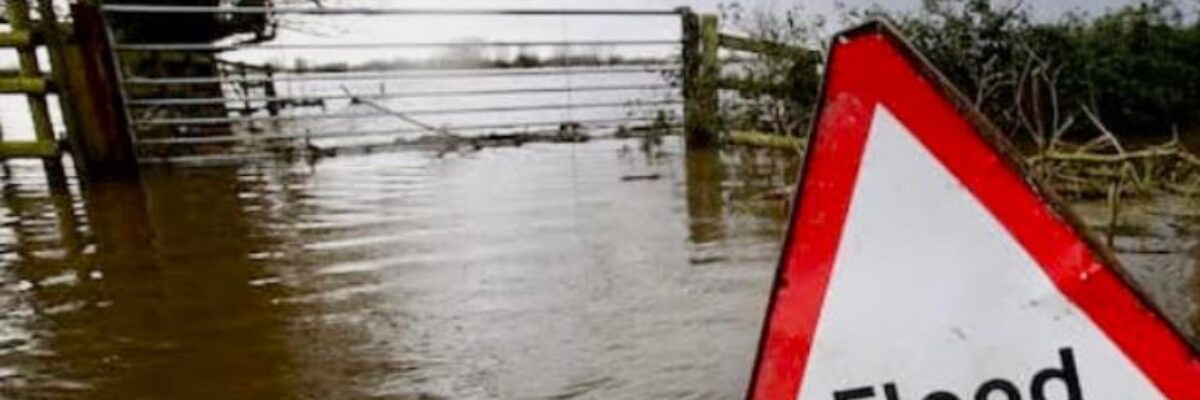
x=103, y=138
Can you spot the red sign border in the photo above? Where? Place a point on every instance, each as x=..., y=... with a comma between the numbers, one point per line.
x=1091, y=277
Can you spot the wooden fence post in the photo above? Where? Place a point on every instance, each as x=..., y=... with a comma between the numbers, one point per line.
x=690, y=69
x=103, y=138
x=700, y=70
x=707, y=102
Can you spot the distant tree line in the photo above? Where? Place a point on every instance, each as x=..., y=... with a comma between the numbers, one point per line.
x=1134, y=70
x=458, y=58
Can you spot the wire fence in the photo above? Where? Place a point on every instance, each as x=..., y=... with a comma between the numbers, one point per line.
x=520, y=127
x=202, y=92
x=168, y=9
x=203, y=47
x=406, y=74
x=414, y=112
x=183, y=101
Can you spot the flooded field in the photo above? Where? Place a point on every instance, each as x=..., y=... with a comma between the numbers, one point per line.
x=603, y=270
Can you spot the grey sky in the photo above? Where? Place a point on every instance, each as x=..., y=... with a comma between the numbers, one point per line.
x=331, y=30
x=352, y=29
x=359, y=29
x=827, y=7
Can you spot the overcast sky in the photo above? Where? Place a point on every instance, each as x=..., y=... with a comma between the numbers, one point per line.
x=336, y=30
x=343, y=29
x=1043, y=7
x=358, y=29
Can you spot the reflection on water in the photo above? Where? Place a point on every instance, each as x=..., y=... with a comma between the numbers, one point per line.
x=609, y=269
x=1158, y=240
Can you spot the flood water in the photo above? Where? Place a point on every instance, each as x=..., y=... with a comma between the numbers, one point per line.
x=610, y=269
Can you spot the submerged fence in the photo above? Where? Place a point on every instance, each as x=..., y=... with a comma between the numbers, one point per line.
x=184, y=97
x=78, y=74
x=149, y=82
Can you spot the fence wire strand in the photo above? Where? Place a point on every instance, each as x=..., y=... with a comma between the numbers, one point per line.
x=403, y=75
x=421, y=112
x=171, y=9
x=214, y=48
x=193, y=101
x=593, y=124
x=252, y=89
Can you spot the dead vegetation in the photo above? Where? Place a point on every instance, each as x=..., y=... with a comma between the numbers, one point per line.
x=1098, y=104
x=1104, y=167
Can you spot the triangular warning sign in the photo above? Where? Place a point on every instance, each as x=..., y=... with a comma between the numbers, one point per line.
x=923, y=264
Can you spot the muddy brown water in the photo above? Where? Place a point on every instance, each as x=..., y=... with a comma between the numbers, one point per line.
x=606, y=269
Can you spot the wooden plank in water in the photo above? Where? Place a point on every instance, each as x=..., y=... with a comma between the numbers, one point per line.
x=16, y=39
x=24, y=85
x=27, y=149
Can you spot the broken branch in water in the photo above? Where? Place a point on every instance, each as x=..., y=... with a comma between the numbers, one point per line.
x=1090, y=170
x=1168, y=150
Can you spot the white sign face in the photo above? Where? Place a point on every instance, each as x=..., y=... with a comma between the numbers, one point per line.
x=922, y=263
x=930, y=293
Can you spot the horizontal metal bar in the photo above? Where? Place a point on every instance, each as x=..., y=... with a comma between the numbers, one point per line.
x=24, y=85
x=268, y=151
x=28, y=149
x=282, y=70
x=186, y=101
x=223, y=159
x=206, y=47
x=379, y=132
x=161, y=9
x=425, y=111
x=424, y=74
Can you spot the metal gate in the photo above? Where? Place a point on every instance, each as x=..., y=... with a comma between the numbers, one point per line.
x=235, y=92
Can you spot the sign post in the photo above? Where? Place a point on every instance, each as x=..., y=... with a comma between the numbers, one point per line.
x=923, y=262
